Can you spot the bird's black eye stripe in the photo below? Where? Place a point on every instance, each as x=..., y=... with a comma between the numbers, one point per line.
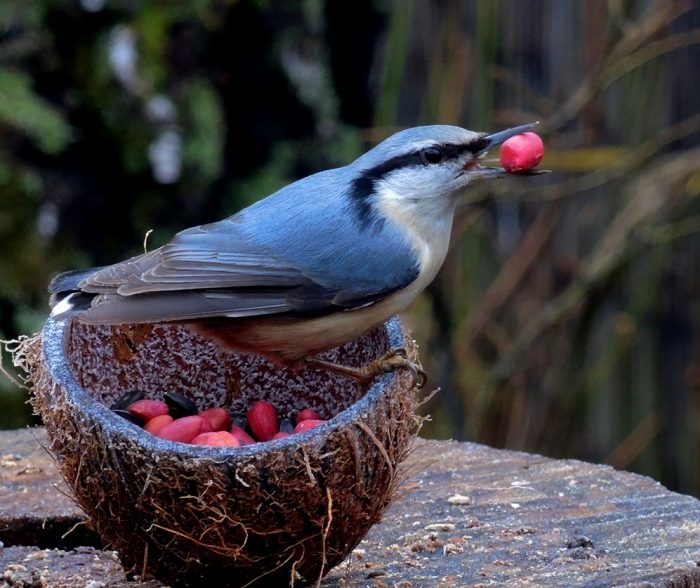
x=362, y=187
x=434, y=154
x=427, y=155
x=478, y=145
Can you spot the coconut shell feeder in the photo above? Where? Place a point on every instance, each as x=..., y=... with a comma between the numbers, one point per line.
x=272, y=514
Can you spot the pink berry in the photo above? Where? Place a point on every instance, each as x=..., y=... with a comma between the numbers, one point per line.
x=241, y=435
x=147, y=409
x=262, y=419
x=308, y=424
x=521, y=152
x=216, y=439
x=306, y=414
x=157, y=423
x=218, y=418
x=280, y=435
x=184, y=429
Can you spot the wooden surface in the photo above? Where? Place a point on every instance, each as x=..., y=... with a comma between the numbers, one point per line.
x=468, y=515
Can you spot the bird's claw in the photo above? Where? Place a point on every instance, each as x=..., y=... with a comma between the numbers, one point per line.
x=398, y=359
x=390, y=361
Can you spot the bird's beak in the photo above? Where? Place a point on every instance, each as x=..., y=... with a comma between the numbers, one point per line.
x=501, y=137
x=496, y=139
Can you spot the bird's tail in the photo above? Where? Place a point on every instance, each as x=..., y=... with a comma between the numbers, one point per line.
x=67, y=282
x=66, y=295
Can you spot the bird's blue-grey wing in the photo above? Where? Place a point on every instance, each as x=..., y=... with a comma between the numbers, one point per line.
x=351, y=254
x=208, y=256
x=301, y=250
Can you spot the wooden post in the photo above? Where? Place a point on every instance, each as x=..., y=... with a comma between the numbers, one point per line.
x=467, y=515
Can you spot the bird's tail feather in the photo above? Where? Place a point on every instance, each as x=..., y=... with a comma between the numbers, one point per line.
x=66, y=297
x=67, y=303
x=67, y=282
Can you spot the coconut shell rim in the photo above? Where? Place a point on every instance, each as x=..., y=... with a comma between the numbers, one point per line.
x=54, y=336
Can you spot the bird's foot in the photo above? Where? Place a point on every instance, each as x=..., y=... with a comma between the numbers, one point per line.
x=390, y=361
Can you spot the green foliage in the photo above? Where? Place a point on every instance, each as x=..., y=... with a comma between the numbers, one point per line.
x=394, y=66
x=204, y=132
x=23, y=110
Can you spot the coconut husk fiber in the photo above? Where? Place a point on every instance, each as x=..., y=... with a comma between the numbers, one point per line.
x=272, y=514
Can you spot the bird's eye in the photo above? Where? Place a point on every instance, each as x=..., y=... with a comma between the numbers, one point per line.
x=432, y=155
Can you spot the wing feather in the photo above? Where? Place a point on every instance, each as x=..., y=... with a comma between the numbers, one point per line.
x=153, y=307
x=204, y=257
x=257, y=263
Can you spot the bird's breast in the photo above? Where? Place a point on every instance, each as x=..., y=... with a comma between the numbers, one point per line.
x=426, y=226
x=288, y=339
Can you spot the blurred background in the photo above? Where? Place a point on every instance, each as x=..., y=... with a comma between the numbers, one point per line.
x=566, y=320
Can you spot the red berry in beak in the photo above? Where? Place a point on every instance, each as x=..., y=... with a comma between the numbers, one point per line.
x=521, y=152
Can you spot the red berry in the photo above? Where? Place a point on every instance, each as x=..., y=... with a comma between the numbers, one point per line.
x=262, y=419
x=241, y=435
x=521, y=152
x=308, y=424
x=216, y=439
x=306, y=414
x=218, y=417
x=157, y=423
x=280, y=435
x=147, y=409
x=184, y=429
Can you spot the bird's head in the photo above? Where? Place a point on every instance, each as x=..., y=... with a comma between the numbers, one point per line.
x=426, y=167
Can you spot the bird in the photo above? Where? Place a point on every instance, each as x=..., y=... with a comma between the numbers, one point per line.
x=310, y=267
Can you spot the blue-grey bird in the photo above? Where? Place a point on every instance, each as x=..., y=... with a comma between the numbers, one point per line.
x=312, y=266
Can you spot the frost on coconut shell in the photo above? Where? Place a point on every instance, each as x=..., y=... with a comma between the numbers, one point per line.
x=270, y=514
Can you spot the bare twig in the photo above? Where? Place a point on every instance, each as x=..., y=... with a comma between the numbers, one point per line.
x=636, y=442
x=631, y=51
x=508, y=278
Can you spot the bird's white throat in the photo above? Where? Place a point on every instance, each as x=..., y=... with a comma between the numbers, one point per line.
x=426, y=222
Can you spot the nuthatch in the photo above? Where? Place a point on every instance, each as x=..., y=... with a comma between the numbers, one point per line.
x=310, y=267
